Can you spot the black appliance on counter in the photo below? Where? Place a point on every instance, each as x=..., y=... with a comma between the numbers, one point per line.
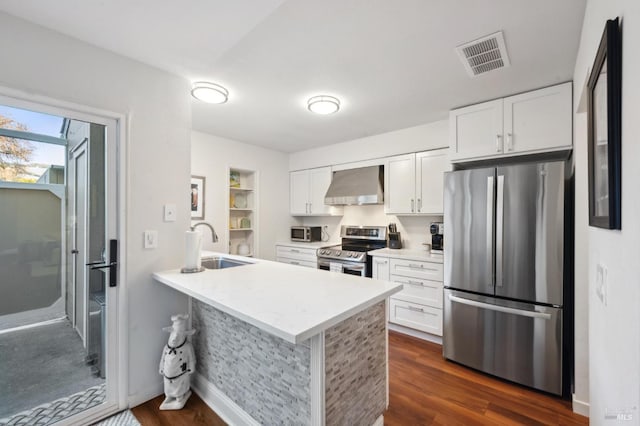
x=306, y=234
x=351, y=256
x=437, y=235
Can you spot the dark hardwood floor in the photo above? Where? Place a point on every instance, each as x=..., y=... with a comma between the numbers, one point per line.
x=195, y=413
x=424, y=389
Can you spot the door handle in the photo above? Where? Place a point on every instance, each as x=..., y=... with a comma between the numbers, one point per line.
x=499, y=230
x=498, y=143
x=75, y=251
x=514, y=311
x=310, y=208
x=412, y=204
x=419, y=204
x=509, y=142
x=489, y=245
x=112, y=264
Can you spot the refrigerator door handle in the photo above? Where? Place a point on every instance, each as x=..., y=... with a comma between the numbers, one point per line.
x=499, y=229
x=490, y=202
x=514, y=311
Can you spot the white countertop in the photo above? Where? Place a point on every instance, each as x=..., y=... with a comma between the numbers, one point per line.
x=313, y=245
x=409, y=254
x=287, y=301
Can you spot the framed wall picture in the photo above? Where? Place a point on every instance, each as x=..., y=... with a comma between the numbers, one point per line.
x=197, y=197
x=604, y=98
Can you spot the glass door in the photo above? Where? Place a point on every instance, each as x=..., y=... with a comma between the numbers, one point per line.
x=58, y=210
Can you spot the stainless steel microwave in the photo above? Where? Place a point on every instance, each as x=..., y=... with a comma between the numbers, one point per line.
x=306, y=234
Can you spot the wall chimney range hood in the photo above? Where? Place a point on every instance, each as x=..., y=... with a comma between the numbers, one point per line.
x=356, y=187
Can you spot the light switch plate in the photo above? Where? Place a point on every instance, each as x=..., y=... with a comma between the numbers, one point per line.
x=150, y=239
x=169, y=212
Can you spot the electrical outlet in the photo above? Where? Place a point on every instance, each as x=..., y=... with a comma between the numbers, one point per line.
x=150, y=239
x=169, y=212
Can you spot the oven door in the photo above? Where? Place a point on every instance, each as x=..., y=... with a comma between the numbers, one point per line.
x=351, y=268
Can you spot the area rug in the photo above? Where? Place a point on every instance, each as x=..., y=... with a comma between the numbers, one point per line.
x=59, y=409
x=124, y=418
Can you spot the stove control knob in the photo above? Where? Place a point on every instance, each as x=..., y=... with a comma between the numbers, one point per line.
x=338, y=253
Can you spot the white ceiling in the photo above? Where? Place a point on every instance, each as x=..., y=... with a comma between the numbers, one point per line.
x=392, y=63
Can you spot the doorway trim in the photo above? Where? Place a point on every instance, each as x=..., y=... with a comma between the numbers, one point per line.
x=35, y=102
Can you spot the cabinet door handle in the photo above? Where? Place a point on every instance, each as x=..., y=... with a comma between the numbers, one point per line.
x=381, y=262
x=509, y=142
x=295, y=251
x=416, y=266
x=294, y=262
x=419, y=204
x=498, y=143
x=413, y=308
x=306, y=207
x=310, y=208
x=413, y=283
x=412, y=205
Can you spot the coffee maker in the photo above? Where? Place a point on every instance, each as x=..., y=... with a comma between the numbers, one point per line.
x=437, y=236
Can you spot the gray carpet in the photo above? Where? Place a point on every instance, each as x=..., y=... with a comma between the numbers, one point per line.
x=40, y=365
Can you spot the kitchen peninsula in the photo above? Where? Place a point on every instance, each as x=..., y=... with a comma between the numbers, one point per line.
x=289, y=345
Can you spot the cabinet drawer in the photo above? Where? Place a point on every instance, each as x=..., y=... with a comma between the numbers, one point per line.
x=416, y=269
x=308, y=254
x=421, y=291
x=305, y=263
x=416, y=316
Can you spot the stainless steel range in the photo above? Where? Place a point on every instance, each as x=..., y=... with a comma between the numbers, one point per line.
x=351, y=257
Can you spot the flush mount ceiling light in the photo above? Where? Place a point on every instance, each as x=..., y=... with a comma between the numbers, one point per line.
x=209, y=92
x=323, y=104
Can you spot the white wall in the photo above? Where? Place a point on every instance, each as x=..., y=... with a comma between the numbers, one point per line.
x=413, y=139
x=211, y=156
x=43, y=62
x=614, y=332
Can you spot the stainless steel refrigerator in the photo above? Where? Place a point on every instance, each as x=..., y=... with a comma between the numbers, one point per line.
x=504, y=256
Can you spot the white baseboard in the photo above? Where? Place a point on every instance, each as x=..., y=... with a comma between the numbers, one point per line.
x=379, y=421
x=224, y=407
x=415, y=333
x=580, y=407
x=146, y=395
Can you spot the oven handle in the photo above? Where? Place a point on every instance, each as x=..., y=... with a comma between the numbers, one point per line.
x=350, y=266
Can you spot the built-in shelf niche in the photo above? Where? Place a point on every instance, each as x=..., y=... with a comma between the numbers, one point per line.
x=243, y=217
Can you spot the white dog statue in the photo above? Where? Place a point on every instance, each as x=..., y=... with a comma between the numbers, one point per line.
x=178, y=363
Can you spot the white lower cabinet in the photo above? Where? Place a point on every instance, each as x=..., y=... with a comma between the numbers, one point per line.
x=294, y=255
x=414, y=315
x=419, y=304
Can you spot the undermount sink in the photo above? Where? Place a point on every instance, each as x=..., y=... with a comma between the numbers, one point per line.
x=219, y=262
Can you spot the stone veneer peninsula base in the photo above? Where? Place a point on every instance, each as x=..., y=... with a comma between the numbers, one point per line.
x=336, y=377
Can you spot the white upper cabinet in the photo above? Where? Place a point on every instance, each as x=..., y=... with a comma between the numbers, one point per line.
x=476, y=131
x=532, y=122
x=538, y=120
x=307, y=191
x=399, y=177
x=430, y=168
x=299, y=192
x=414, y=182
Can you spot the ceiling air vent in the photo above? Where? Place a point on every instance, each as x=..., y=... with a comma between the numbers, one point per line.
x=484, y=54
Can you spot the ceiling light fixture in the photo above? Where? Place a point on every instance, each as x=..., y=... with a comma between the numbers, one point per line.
x=209, y=92
x=323, y=104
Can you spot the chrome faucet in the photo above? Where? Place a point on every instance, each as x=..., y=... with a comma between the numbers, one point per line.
x=213, y=231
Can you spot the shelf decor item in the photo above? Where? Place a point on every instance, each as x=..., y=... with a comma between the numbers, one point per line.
x=197, y=197
x=604, y=99
x=234, y=179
